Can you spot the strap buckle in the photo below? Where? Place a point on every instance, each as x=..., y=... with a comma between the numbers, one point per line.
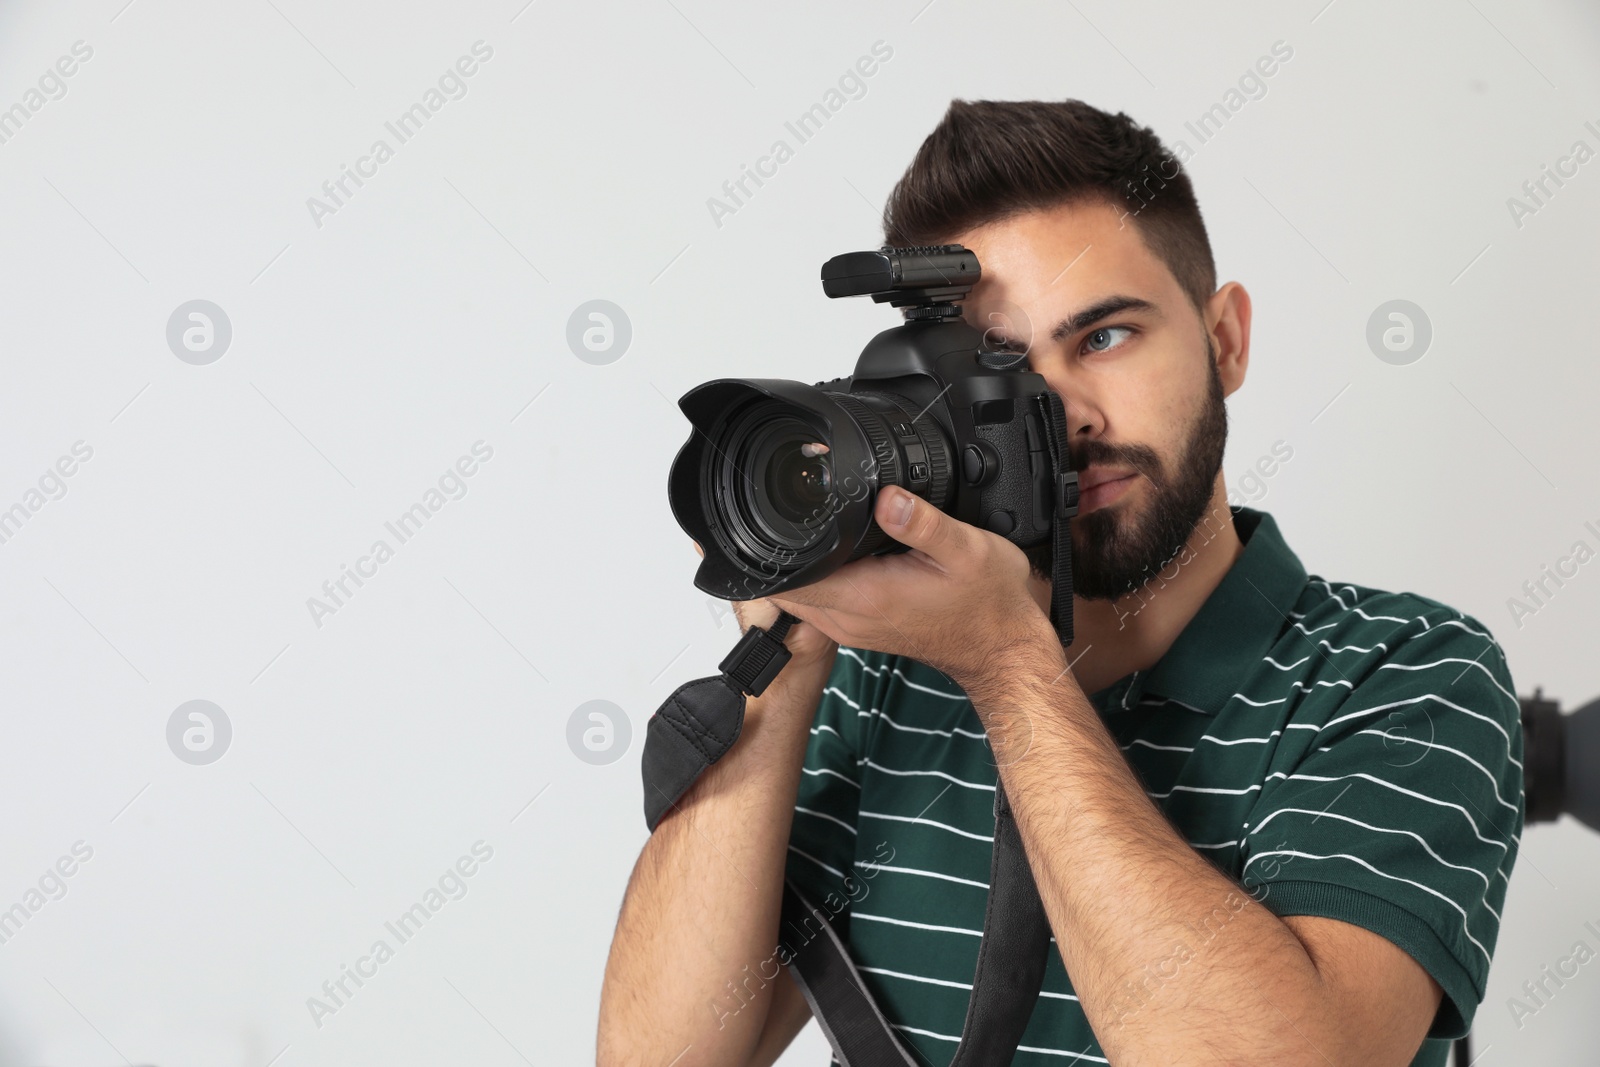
x=756, y=659
x=1066, y=494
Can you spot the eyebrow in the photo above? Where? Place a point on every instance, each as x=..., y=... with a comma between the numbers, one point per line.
x=1100, y=309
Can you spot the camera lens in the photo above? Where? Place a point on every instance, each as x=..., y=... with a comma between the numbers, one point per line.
x=784, y=477
x=773, y=483
x=798, y=478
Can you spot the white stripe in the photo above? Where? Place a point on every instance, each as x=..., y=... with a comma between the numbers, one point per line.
x=1452, y=659
x=1353, y=648
x=927, y=774
x=1062, y=1052
x=1334, y=595
x=836, y=873
x=936, y=692
x=1325, y=626
x=919, y=926
x=926, y=822
x=978, y=734
x=1219, y=844
x=1302, y=688
x=1260, y=703
x=1381, y=874
x=1387, y=618
x=1242, y=740
x=836, y=774
x=1440, y=699
x=1161, y=702
x=818, y=729
x=1152, y=744
x=1380, y=829
x=924, y=1033
x=912, y=870
x=853, y=655
x=1430, y=744
x=1398, y=789
x=1207, y=789
x=1297, y=662
x=916, y=978
x=1056, y=996
x=836, y=691
x=1464, y=626
x=824, y=815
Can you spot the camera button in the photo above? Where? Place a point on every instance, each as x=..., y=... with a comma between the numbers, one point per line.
x=1001, y=522
x=973, y=467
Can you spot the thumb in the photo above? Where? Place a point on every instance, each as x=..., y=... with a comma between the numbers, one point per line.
x=913, y=521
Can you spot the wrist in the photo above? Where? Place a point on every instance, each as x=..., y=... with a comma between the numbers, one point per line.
x=1030, y=660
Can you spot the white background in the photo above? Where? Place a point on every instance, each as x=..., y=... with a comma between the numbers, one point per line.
x=370, y=352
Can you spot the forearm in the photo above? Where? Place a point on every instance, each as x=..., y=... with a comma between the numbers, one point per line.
x=1169, y=957
x=700, y=917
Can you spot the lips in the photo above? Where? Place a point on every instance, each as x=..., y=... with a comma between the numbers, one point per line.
x=1099, y=486
x=1094, y=476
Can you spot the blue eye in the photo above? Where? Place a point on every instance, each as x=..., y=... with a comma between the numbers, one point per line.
x=1101, y=340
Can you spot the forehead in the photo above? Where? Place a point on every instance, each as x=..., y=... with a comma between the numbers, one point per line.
x=1065, y=256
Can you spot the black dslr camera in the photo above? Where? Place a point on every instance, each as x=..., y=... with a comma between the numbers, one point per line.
x=778, y=480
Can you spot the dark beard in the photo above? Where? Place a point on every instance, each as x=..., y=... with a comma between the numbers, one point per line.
x=1112, y=554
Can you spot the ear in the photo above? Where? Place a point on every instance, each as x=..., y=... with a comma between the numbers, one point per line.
x=1227, y=322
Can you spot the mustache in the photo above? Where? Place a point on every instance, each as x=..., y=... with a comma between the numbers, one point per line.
x=1141, y=458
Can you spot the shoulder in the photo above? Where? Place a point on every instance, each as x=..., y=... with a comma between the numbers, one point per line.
x=1393, y=628
x=1401, y=654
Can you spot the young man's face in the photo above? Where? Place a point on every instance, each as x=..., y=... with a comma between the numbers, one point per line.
x=1105, y=322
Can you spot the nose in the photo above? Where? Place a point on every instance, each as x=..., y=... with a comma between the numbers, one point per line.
x=1084, y=417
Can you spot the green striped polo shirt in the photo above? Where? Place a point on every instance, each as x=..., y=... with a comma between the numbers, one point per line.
x=1336, y=750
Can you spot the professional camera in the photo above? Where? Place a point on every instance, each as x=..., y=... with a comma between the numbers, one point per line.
x=778, y=480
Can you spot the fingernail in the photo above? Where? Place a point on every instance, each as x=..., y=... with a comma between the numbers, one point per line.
x=900, y=510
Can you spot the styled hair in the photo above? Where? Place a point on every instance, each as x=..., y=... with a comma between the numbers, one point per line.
x=988, y=160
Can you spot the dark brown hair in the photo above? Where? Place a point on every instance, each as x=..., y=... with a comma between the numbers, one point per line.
x=990, y=159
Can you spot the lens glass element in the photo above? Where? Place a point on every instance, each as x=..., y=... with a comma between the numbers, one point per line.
x=798, y=478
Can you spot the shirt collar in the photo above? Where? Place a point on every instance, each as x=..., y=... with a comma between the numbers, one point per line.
x=1233, y=630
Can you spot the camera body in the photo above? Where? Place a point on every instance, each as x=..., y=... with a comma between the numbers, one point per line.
x=927, y=407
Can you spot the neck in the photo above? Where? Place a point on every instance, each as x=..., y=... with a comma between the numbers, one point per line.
x=1113, y=638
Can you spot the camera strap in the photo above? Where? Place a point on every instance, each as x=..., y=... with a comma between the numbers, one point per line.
x=1054, y=411
x=701, y=720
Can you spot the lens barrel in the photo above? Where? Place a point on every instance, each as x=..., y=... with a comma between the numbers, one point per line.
x=779, y=480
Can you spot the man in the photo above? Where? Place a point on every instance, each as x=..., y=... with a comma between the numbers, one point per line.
x=1271, y=817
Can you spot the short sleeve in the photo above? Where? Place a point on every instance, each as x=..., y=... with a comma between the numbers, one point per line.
x=1404, y=813
x=822, y=840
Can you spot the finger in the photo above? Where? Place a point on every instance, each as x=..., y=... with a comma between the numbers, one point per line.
x=801, y=609
x=698, y=549
x=915, y=522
